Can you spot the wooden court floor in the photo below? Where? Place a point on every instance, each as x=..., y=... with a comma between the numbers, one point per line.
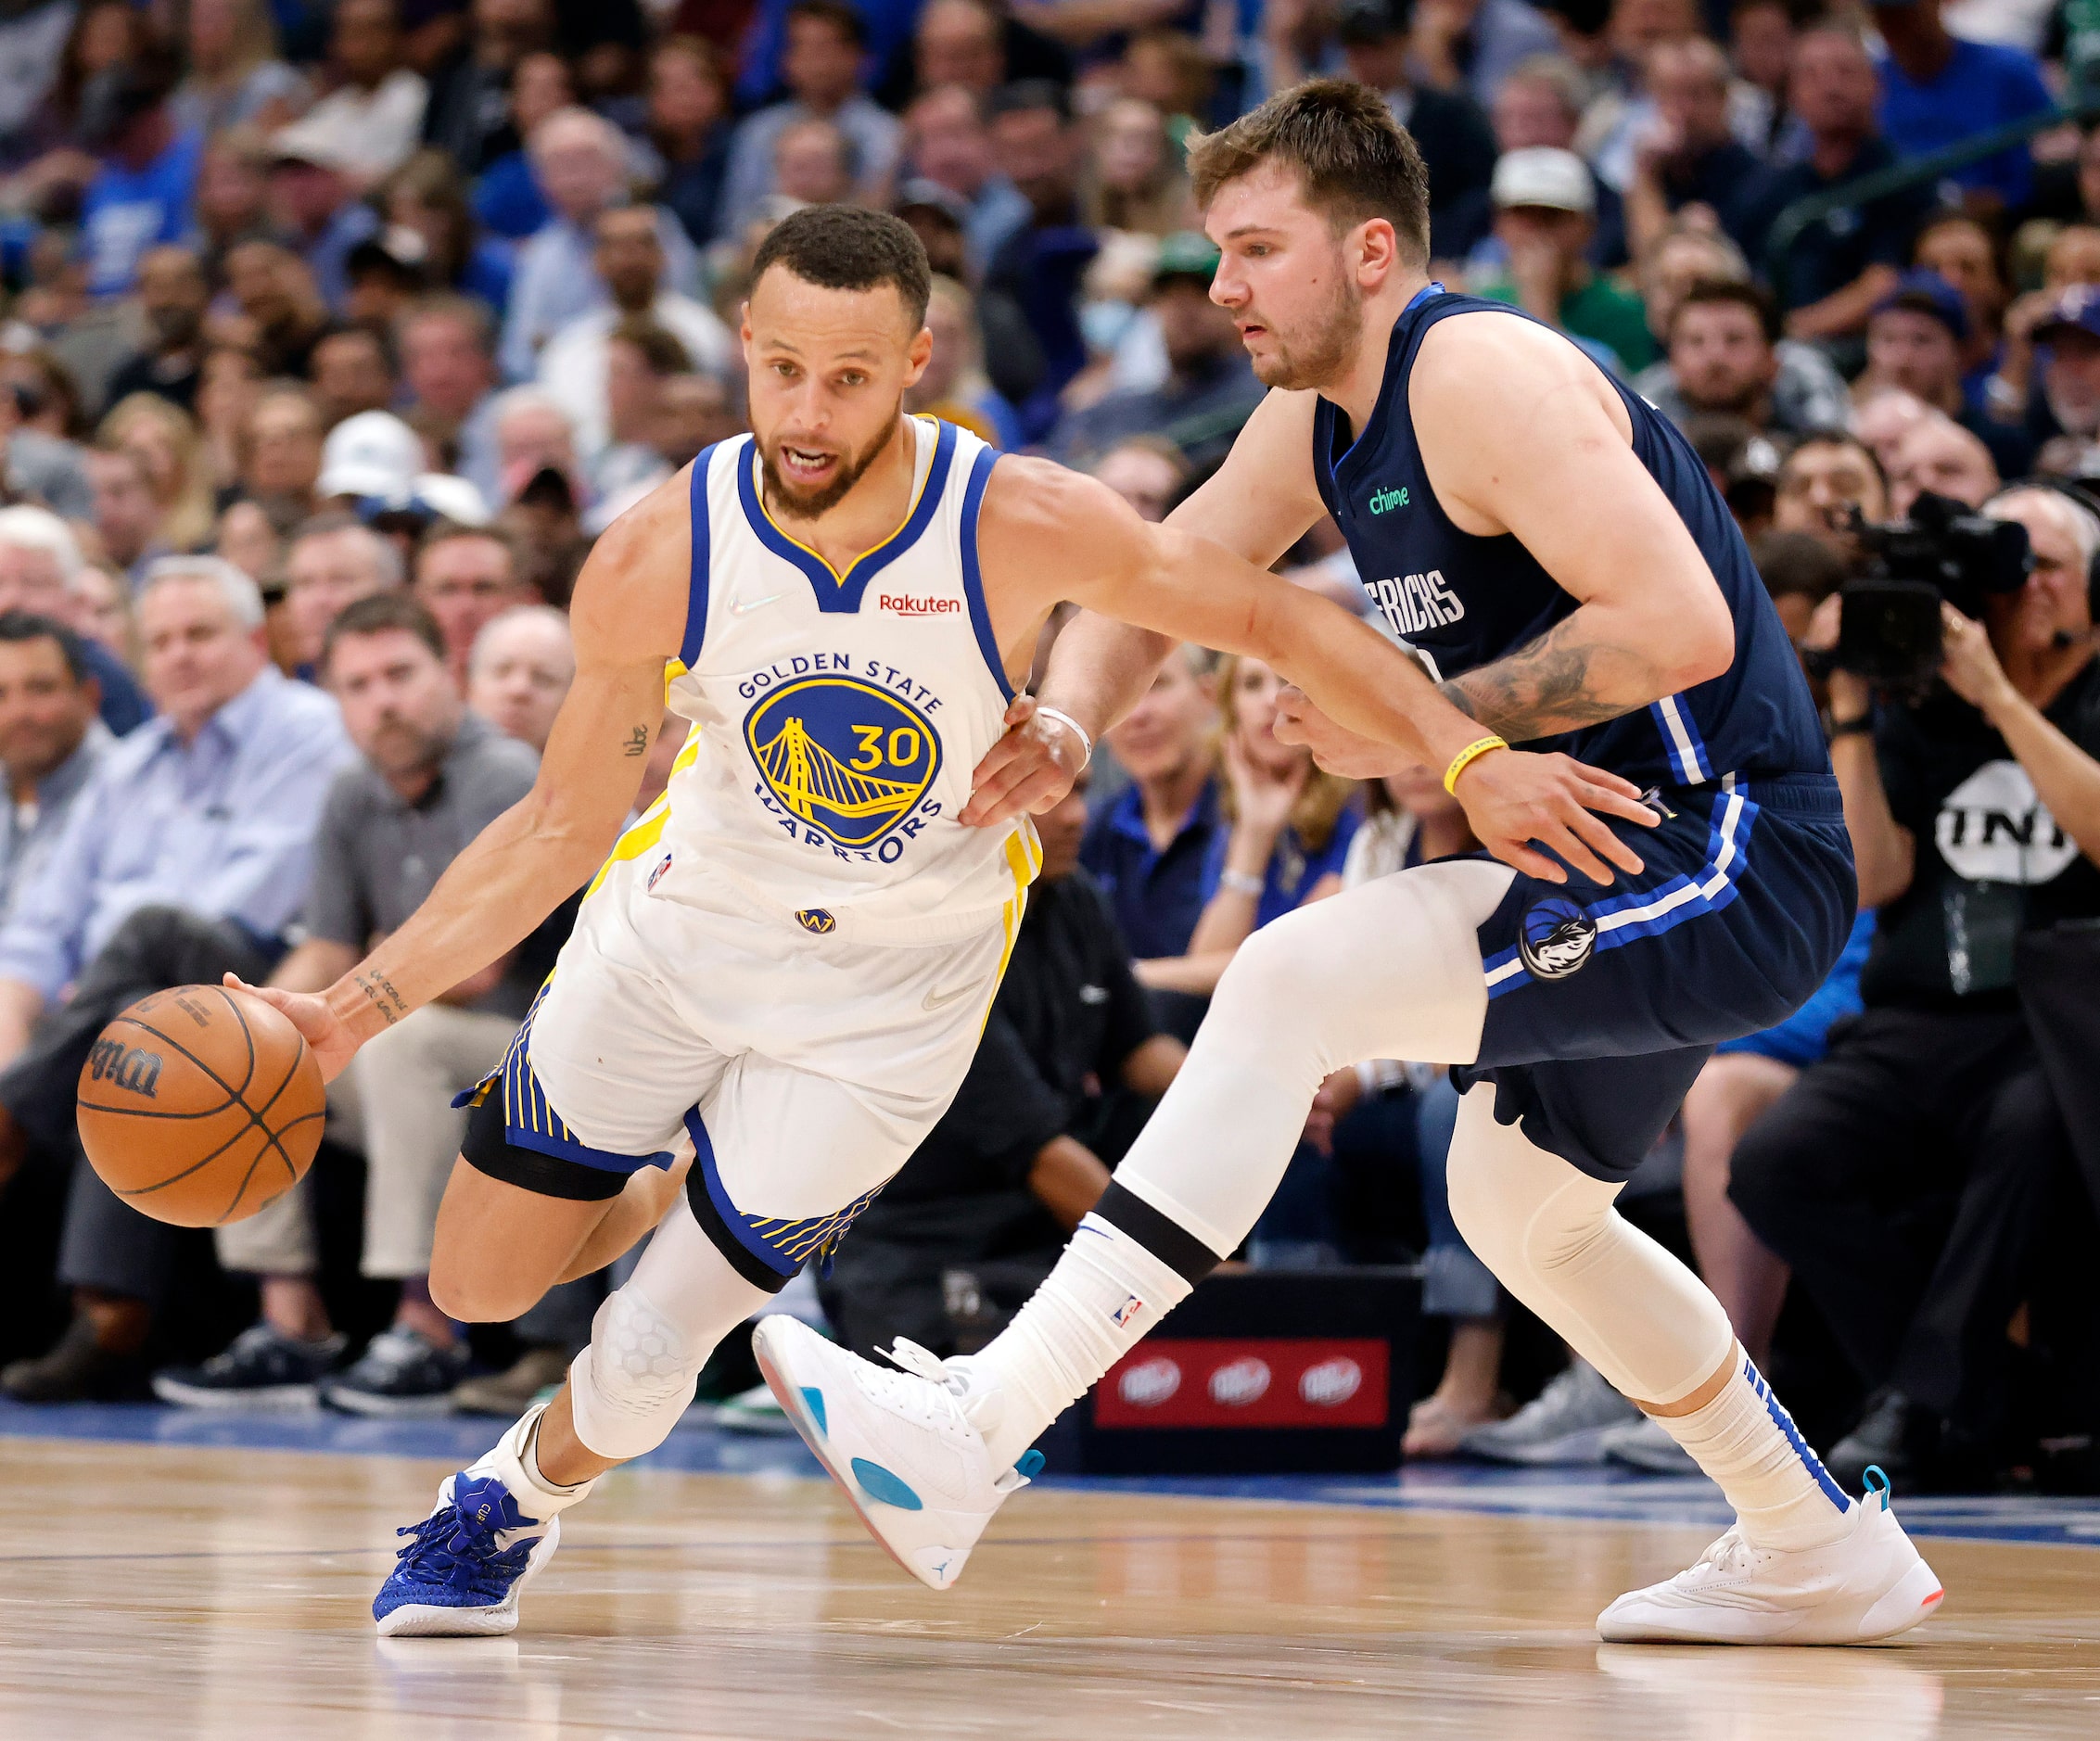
x=153, y=1591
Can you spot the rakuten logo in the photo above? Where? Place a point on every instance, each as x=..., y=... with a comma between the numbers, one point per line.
x=904, y=604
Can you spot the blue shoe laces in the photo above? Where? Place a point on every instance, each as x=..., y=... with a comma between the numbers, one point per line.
x=455, y=1547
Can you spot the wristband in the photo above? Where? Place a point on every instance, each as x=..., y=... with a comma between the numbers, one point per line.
x=1239, y=882
x=1466, y=758
x=1862, y=725
x=1086, y=742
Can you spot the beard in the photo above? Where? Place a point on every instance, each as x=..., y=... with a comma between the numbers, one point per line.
x=813, y=504
x=1722, y=395
x=1323, y=352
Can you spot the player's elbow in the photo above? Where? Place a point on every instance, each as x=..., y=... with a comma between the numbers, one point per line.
x=1700, y=642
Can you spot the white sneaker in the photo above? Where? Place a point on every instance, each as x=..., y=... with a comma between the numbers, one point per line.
x=1869, y=1584
x=915, y=1467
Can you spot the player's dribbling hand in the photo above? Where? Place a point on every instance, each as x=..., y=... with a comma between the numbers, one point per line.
x=1518, y=801
x=1031, y=767
x=330, y=1041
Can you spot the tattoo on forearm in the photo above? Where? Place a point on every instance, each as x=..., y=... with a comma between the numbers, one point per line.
x=385, y=999
x=1559, y=682
x=637, y=741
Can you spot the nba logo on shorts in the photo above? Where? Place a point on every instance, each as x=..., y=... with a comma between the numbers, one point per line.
x=1558, y=937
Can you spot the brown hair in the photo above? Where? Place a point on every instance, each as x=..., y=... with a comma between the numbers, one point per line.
x=1736, y=293
x=1356, y=162
x=380, y=613
x=1326, y=796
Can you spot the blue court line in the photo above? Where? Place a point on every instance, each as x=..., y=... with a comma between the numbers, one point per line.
x=1596, y=1496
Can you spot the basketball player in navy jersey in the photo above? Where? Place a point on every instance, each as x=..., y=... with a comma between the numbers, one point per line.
x=1555, y=555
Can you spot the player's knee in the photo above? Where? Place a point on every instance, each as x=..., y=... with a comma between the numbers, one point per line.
x=637, y=1377
x=469, y=1288
x=1514, y=1205
x=1268, y=982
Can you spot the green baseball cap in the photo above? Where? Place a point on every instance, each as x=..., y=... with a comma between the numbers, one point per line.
x=1185, y=254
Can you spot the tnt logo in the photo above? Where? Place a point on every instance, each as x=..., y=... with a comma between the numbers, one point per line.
x=127, y=1067
x=1994, y=828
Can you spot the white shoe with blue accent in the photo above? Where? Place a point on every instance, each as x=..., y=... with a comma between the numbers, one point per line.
x=460, y=1575
x=1870, y=1583
x=914, y=1466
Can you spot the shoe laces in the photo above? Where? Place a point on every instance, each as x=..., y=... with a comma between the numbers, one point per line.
x=458, y=1549
x=940, y=1407
x=1730, y=1553
x=921, y=1362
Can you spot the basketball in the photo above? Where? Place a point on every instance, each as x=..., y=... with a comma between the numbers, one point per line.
x=200, y=1104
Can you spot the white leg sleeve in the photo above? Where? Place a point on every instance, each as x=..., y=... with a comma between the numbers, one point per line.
x=1388, y=969
x=1552, y=1238
x=652, y=1336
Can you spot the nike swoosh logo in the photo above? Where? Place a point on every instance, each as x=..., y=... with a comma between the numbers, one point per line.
x=941, y=999
x=740, y=608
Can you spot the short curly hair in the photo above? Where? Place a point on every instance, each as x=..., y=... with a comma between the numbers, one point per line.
x=849, y=247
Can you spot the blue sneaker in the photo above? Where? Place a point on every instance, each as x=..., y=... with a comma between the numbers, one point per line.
x=460, y=1574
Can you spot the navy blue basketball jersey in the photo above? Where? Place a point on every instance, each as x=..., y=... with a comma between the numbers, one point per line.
x=1465, y=599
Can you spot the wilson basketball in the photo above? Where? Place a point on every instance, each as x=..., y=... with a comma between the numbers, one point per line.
x=199, y=1105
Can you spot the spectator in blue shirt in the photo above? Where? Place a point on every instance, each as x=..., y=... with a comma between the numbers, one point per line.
x=186, y=856
x=1936, y=89
x=1148, y=846
x=141, y=197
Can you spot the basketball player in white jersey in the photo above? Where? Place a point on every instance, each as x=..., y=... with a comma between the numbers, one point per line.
x=779, y=975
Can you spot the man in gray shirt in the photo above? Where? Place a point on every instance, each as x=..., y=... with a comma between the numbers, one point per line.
x=50, y=738
x=431, y=776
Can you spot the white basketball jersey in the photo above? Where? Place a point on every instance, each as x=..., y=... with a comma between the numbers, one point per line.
x=838, y=717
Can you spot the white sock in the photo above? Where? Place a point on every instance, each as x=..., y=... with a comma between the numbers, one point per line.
x=1751, y=1448
x=515, y=1463
x=1106, y=1292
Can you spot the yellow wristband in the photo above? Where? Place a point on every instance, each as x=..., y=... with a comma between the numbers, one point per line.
x=1466, y=758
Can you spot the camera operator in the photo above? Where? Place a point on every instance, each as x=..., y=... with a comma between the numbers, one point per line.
x=1903, y=1177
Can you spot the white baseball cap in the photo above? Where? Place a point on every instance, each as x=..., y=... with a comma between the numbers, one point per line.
x=1543, y=176
x=371, y=454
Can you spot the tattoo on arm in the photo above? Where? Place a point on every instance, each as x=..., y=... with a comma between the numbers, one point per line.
x=637, y=741
x=385, y=999
x=1559, y=682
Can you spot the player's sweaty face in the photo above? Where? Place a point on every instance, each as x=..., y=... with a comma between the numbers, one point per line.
x=1284, y=279
x=828, y=370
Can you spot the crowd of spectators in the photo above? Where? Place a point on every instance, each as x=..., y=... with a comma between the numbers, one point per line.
x=336, y=330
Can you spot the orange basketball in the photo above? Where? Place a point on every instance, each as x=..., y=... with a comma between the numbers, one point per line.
x=200, y=1104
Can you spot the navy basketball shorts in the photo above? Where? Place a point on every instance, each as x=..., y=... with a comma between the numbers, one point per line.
x=1604, y=1002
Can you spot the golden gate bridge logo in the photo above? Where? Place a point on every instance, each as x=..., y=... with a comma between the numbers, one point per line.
x=846, y=757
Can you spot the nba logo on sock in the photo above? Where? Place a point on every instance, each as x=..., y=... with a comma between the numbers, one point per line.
x=1556, y=939
x=1127, y=1310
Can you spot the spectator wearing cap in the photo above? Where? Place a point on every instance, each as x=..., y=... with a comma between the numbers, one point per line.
x=691, y=131
x=186, y=856
x=948, y=144
x=1841, y=265
x=1688, y=156
x=142, y=191
x=1449, y=128
x=822, y=68
x=353, y=372
x=1041, y=266
x=1210, y=388
x=42, y=575
x=467, y=577
x=372, y=120
x=1474, y=44
x=1914, y=342
x=1938, y=89
x=173, y=295
x=50, y=739
x=1545, y=216
x=313, y=197
x=629, y=258
x=1725, y=355
x=372, y=457
x=447, y=346
x=579, y=162
x=521, y=666
x=2067, y=338
x=335, y=559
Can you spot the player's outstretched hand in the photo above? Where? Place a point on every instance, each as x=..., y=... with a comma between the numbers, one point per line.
x=1030, y=767
x=1519, y=802
x=330, y=1041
